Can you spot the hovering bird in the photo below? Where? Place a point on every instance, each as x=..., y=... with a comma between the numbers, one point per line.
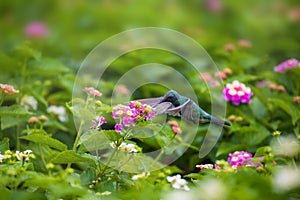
x=174, y=104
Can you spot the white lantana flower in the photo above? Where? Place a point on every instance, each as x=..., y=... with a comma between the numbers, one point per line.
x=140, y=176
x=130, y=148
x=285, y=146
x=29, y=102
x=178, y=182
x=60, y=111
x=285, y=179
x=23, y=156
x=1, y=158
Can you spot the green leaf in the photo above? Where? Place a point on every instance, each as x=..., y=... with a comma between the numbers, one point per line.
x=258, y=108
x=14, y=110
x=88, y=176
x=252, y=135
x=46, y=140
x=4, y=145
x=291, y=110
x=48, y=67
x=69, y=156
x=10, y=121
x=111, y=135
x=227, y=147
x=96, y=140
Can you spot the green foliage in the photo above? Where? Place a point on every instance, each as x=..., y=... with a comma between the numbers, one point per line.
x=48, y=155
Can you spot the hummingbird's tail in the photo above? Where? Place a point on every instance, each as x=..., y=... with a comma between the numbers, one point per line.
x=217, y=121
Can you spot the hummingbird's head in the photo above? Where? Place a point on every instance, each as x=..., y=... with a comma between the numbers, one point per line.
x=172, y=97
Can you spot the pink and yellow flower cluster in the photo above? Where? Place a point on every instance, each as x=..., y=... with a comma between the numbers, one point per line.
x=288, y=64
x=175, y=127
x=129, y=115
x=237, y=93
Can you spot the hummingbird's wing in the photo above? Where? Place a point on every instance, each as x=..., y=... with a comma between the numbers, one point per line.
x=159, y=108
x=150, y=101
x=163, y=108
x=188, y=110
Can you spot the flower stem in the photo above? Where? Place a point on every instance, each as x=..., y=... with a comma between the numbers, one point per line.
x=109, y=161
x=17, y=138
x=78, y=135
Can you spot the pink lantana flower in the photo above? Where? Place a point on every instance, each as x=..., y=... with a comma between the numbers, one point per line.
x=129, y=115
x=297, y=99
x=93, y=92
x=291, y=63
x=238, y=158
x=98, y=122
x=237, y=93
x=36, y=30
x=175, y=127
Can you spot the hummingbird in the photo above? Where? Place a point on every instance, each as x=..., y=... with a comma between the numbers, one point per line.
x=174, y=104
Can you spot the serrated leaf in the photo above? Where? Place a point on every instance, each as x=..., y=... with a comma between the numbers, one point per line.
x=14, y=110
x=46, y=140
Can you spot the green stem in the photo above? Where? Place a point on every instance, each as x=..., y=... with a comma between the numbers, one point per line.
x=294, y=164
x=117, y=186
x=115, y=151
x=42, y=156
x=159, y=155
x=77, y=140
x=190, y=146
x=78, y=135
x=2, y=96
x=17, y=138
x=109, y=161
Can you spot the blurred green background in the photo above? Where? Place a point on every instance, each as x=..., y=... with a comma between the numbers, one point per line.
x=76, y=27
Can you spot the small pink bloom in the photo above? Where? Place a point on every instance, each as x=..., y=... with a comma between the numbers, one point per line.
x=294, y=14
x=8, y=89
x=276, y=87
x=206, y=77
x=93, y=92
x=205, y=166
x=214, y=5
x=43, y=118
x=36, y=30
x=297, y=99
x=176, y=130
x=220, y=74
x=98, y=122
x=229, y=47
x=244, y=43
x=122, y=89
x=261, y=84
x=172, y=123
x=214, y=83
x=282, y=67
x=118, y=128
x=32, y=120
